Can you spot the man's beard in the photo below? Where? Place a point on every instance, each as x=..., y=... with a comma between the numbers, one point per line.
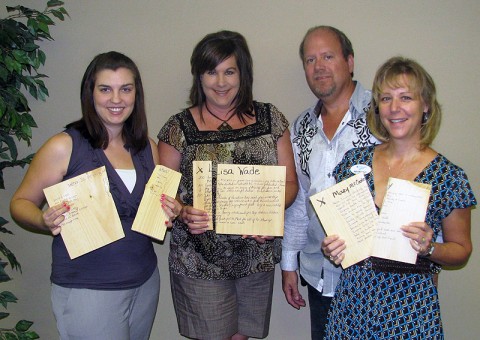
x=325, y=93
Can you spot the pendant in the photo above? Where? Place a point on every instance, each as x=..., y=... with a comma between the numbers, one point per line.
x=224, y=127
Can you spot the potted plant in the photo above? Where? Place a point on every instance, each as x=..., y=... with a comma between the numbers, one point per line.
x=20, y=60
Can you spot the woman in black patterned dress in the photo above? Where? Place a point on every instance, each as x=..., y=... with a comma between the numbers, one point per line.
x=222, y=284
x=385, y=299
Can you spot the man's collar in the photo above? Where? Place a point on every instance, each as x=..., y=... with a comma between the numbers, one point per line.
x=355, y=104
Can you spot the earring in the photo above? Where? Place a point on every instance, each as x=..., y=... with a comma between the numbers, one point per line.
x=425, y=117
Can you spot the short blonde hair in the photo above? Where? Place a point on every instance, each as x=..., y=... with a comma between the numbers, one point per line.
x=420, y=82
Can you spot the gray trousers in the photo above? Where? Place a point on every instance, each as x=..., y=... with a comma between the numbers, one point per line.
x=87, y=314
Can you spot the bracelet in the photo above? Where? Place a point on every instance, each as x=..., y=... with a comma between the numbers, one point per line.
x=429, y=250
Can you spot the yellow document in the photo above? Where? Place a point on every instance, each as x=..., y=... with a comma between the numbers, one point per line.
x=202, y=187
x=347, y=210
x=92, y=221
x=150, y=219
x=250, y=199
x=404, y=202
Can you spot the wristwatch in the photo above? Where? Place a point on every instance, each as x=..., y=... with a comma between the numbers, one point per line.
x=430, y=249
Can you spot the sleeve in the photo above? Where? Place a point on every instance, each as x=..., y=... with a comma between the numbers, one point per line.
x=296, y=219
x=279, y=122
x=459, y=192
x=172, y=134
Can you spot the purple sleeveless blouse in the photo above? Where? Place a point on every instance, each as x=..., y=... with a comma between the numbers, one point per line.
x=126, y=263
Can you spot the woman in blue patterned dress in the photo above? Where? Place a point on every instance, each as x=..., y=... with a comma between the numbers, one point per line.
x=384, y=299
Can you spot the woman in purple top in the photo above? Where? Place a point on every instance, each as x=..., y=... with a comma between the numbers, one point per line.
x=111, y=292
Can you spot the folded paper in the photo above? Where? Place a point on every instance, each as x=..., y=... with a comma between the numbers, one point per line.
x=92, y=221
x=150, y=219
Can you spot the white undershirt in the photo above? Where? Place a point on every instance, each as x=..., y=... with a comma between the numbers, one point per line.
x=129, y=178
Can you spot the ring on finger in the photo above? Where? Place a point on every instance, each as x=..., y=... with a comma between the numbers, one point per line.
x=423, y=240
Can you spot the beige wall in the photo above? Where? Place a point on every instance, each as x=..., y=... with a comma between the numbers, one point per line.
x=160, y=34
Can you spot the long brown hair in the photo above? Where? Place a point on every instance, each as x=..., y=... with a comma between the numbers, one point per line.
x=135, y=129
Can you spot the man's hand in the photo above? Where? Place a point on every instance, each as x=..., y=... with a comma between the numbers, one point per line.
x=290, y=289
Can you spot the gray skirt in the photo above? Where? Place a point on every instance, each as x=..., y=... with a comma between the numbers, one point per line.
x=218, y=309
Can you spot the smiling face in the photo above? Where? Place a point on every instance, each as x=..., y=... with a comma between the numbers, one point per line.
x=326, y=70
x=401, y=109
x=114, y=96
x=221, y=85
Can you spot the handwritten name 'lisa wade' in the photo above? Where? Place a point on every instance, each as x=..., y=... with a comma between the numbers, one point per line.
x=246, y=170
x=347, y=189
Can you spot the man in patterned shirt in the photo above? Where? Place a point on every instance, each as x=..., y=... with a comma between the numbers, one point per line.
x=320, y=136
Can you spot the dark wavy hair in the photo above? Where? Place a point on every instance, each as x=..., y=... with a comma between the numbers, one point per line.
x=135, y=129
x=213, y=49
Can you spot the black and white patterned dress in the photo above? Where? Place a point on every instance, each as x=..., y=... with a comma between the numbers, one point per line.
x=211, y=256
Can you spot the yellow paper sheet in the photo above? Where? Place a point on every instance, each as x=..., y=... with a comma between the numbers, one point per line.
x=92, y=221
x=202, y=187
x=347, y=210
x=250, y=199
x=150, y=219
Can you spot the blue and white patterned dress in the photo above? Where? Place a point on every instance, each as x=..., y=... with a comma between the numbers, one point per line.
x=383, y=299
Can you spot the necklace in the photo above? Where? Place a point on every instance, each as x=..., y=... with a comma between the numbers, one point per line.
x=224, y=126
x=402, y=168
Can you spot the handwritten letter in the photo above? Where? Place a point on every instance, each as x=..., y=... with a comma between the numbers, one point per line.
x=92, y=221
x=404, y=202
x=202, y=187
x=347, y=210
x=250, y=199
x=150, y=219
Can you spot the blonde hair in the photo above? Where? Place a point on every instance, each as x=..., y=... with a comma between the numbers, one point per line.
x=419, y=81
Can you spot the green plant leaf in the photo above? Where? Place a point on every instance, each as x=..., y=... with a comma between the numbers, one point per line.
x=23, y=325
x=32, y=335
x=9, y=63
x=3, y=107
x=3, y=72
x=30, y=46
x=42, y=57
x=63, y=10
x=28, y=119
x=58, y=14
x=54, y=3
x=8, y=297
x=43, y=27
x=21, y=56
x=12, y=9
x=10, y=257
x=3, y=274
x=10, y=142
x=33, y=91
x=45, y=19
x=2, y=223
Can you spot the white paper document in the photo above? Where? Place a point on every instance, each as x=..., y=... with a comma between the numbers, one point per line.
x=347, y=209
